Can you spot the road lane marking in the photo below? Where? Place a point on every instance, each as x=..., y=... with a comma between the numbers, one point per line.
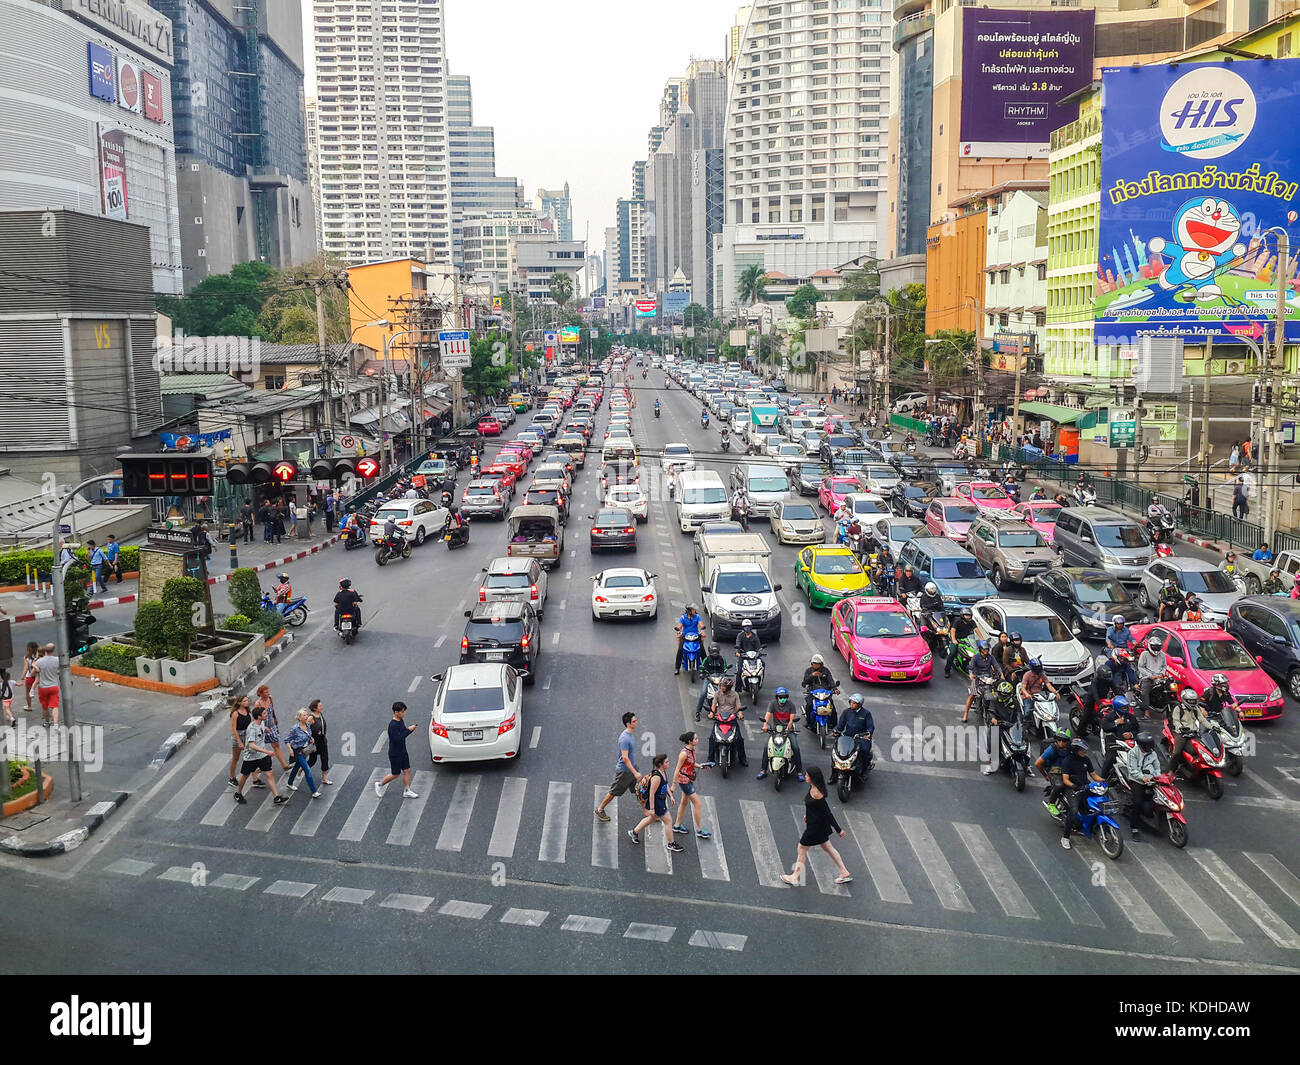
x=656, y=933
x=129, y=867
x=193, y=788
x=1074, y=905
x=379, y=743
x=473, y=911
x=578, y=923
x=1263, y=783
x=1135, y=908
x=440, y=641
x=996, y=874
x=555, y=637
x=568, y=575
x=363, y=810
x=183, y=874
x=267, y=813
x=219, y=812
x=537, y=735
x=555, y=824
x=408, y=815
x=414, y=684
x=823, y=867
x=1278, y=873
x=529, y=918
x=880, y=867
x=658, y=859
x=604, y=837
x=459, y=811
x=294, y=889
x=505, y=829
x=1197, y=910
x=717, y=940
x=414, y=903
x=767, y=859
x=310, y=819
x=934, y=864
x=713, y=859
x=547, y=686
x=1251, y=904
x=563, y=603
x=460, y=607
x=234, y=882
x=354, y=896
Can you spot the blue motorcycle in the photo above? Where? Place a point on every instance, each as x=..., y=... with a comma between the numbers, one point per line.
x=1094, y=818
x=295, y=612
x=691, y=655
x=822, y=720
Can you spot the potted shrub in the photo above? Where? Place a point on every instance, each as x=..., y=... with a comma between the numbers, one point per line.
x=183, y=600
x=151, y=637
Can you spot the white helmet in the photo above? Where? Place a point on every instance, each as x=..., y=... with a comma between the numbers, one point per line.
x=931, y=588
x=818, y=660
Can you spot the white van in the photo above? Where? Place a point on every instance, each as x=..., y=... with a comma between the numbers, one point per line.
x=701, y=496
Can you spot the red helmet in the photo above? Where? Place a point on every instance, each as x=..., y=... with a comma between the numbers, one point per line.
x=1122, y=656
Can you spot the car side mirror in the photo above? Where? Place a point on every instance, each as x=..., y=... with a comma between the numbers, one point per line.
x=776, y=587
x=1085, y=538
x=1280, y=640
x=484, y=570
x=1174, y=661
x=467, y=613
x=436, y=676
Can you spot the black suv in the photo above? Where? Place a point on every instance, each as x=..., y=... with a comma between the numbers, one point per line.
x=1269, y=626
x=506, y=632
x=911, y=499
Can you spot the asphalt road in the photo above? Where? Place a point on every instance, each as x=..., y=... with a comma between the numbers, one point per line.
x=503, y=868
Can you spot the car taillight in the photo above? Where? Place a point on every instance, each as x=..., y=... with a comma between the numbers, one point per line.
x=629, y=529
x=405, y=521
x=601, y=599
x=597, y=531
x=532, y=592
x=482, y=595
x=648, y=598
x=523, y=643
x=440, y=730
x=464, y=644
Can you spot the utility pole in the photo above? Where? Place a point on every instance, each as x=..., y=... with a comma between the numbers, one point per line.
x=325, y=368
x=1270, y=489
x=456, y=391
x=1204, y=453
x=888, y=368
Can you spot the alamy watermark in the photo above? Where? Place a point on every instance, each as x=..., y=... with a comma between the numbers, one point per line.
x=54, y=743
x=179, y=353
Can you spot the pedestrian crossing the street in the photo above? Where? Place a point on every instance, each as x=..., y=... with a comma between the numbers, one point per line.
x=902, y=864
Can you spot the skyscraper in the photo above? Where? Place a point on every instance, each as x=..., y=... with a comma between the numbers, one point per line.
x=475, y=186
x=555, y=205
x=382, y=129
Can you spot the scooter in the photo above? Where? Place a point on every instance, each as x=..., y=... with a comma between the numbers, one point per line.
x=1094, y=818
x=295, y=612
x=1085, y=495
x=355, y=536
x=1165, y=796
x=704, y=420
x=396, y=546
x=1161, y=531
x=726, y=726
x=726, y=442
x=752, y=670
x=1238, y=581
x=849, y=767
x=823, y=714
x=780, y=753
x=456, y=535
x=1227, y=726
x=1013, y=751
x=882, y=574
x=1045, y=715
x=740, y=513
x=937, y=633
x=656, y=410
x=348, y=625
x=1202, y=762
x=712, y=682
x=691, y=655
x=672, y=487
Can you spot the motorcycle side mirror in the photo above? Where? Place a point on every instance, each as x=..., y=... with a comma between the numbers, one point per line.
x=1259, y=659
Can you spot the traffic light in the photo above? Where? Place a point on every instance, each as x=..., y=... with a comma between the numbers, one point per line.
x=165, y=474
x=341, y=469
x=78, y=623
x=282, y=471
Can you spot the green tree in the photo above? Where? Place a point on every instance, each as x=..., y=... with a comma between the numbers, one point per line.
x=288, y=323
x=861, y=284
x=949, y=357
x=695, y=314
x=561, y=289
x=803, y=304
x=751, y=284
x=490, y=365
x=289, y=315
x=224, y=304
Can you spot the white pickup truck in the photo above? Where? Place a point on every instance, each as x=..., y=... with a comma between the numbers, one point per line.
x=736, y=585
x=1255, y=573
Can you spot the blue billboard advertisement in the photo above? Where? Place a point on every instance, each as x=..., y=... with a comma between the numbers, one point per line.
x=1200, y=168
x=675, y=302
x=103, y=72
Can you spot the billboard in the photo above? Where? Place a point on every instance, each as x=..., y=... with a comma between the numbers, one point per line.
x=103, y=72
x=153, y=101
x=646, y=308
x=597, y=303
x=1016, y=67
x=112, y=169
x=570, y=334
x=675, y=302
x=1198, y=164
x=129, y=92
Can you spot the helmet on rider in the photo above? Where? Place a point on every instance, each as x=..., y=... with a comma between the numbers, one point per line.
x=931, y=588
x=1188, y=697
x=1017, y=639
x=1077, y=744
x=690, y=608
x=1220, y=681
x=282, y=577
x=1230, y=556
x=714, y=650
x=982, y=645
x=1122, y=656
x=1036, y=665
x=907, y=568
x=1146, y=741
x=966, y=612
x=1118, y=621
x=856, y=699
x=747, y=624
x=726, y=684
x=782, y=694
x=1120, y=702
x=1171, y=584
x=1004, y=691
x=1061, y=737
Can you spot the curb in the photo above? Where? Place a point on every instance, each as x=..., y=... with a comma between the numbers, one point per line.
x=91, y=820
x=191, y=725
x=99, y=604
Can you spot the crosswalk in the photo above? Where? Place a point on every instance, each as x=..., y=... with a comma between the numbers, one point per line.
x=952, y=869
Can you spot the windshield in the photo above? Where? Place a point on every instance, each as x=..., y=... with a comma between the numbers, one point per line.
x=868, y=506
x=628, y=581
x=480, y=490
x=1045, y=515
x=705, y=494
x=390, y=512
x=1208, y=580
x=881, y=473
x=883, y=623
x=1040, y=630
x=837, y=564
x=507, y=580
x=769, y=484
x=839, y=440
x=1219, y=654
x=958, y=568
x=1028, y=538
x=612, y=517
x=1120, y=536
x=902, y=533
x=736, y=583
x=989, y=492
x=960, y=514
x=1099, y=590
x=810, y=472
x=498, y=630
x=473, y=700
x=799, y=513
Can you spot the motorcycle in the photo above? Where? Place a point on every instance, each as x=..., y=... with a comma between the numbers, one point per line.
x=672, y=487
x=849, y=767
x=726, y=726
x=355, y=536
x=704, y=420
x=295, y=611
x=712, y=682
x=1202, y=761
x=740, y=513
x=456, y=535
x=1085, y=495
x=933, y=439
x=1012, y=489
x=1096, y=816
x=726, y=442
x=348, y=624
x=1165, y=796
x=881, y=572
x=780, y=753
x=656, y=410
x=1013, y=751
x=962, y=450
x=1045, y=715
x=396, y=546
x=752, y=670
x=1161, y=530
x=965, y=653
x=1238, y=581
x=1227, y=726
x=984, y=696
x=823, y=714
x=938, y=632
x=691, y=655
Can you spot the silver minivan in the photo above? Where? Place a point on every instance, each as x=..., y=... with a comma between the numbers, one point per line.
x=1104, y=539
x=765, y=484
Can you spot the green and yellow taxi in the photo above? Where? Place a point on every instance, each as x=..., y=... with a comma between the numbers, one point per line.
x=828, y=574
x=520, y=402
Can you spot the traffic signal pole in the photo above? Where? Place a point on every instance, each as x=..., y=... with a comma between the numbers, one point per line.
x=66, y=714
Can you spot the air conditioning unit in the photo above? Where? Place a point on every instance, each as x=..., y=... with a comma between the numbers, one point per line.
x=1234, y=367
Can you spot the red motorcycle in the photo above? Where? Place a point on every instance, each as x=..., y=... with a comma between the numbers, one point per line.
x=1202, y=761
x=1166, y=799
x=726, y=727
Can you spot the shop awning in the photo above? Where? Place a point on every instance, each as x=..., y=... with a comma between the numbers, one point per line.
x=1060, y=415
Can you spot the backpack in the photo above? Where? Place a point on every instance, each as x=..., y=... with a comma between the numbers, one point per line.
x=643, y=790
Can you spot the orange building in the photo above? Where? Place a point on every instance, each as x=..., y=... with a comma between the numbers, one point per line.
x=954, y=271
x=372, y=286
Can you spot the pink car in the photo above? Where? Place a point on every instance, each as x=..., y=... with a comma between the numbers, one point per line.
x=879, y=641
x=1041, y=515
x=1196, y=650
x=984, y=494
x=951, y=516
x=831, y=492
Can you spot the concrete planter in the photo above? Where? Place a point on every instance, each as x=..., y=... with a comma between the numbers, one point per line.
x=184, y=674
x=239, y=664
x=148, y=668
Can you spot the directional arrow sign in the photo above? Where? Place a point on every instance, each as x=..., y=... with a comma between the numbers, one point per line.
x=454, y=343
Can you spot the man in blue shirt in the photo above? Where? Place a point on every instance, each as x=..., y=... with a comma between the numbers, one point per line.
x=855, y=720
x=1263, y=554
x=98, y=560
x=1118, y=636
x=689, y=624
x=625, y=774
x=112, y=549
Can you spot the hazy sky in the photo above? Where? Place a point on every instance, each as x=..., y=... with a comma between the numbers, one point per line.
x=573, y=86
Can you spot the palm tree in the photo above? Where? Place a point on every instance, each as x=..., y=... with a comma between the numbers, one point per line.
x=561, y=289
x=750, y=284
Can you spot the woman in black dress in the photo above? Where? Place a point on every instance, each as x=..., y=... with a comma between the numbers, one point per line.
x=818, y=824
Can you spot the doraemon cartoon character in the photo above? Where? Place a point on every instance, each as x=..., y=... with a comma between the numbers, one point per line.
x=1206, y=232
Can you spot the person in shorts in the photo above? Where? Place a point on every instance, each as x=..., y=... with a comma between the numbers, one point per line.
x=684, y=778
x=399, y=761
x=30, y=656
x=47, y=684
x=240, y=718
x=625, y=774
x=257, y=756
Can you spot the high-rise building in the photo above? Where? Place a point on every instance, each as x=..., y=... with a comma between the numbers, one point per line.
x=671, y=100
x=475, y=186
x=806, y=125
x=537, y=257
x=555, y=205
x=638, y=179
x=313, y=167
x=486, y=239
x=631, y=245
x=241, y=135
x=383, y=140
x=611, y=260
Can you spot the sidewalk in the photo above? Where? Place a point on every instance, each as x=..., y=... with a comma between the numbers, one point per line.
x=257, y=555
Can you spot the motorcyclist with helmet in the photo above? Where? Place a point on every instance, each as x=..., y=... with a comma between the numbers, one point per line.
x=961, y=625
x=657, y=408
x=816, y=676
x=1119, y=723
x=714, y=665
x=1003, y=714
x=931, y=600
x=1156, y=514
x=909, y=583
x=856, y=720
x=1014, y=655
x=982, y=665
x=1191, y=608
x=1034, y=681
x=1216, y=695
x=1151, y=667
x=1076, y=772
x=1118, y=636
x=1114, y=676
x=1274, y=583
x=283, y=593
x=1049, y=761
x=347, y=600
x=1170, y=602
x=1141, y=766
x=781, y=713
x=689, y=624
x=727, y=701
x=1186, y=719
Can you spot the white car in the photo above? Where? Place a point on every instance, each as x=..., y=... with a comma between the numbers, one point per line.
x=866, y=506
x=1044, y=634
x=797, y=522
x=624, y=592
x=478, y=713
x=418, y=519
x=790, y=455
x=879, y=478
x=678, y=456
x=629, y=497
x=911, y=401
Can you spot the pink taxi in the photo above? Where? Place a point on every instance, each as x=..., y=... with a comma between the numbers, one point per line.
x=984, y=494
x=879, y=641
x=1040, y=514
x=831, y=492
x=1196, y=650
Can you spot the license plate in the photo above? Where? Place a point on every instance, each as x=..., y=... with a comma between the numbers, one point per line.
x=1252, y=711
x=898, y=674
x=470, y=734
x=347, y=626
x=494, y=654
x=623, y=613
